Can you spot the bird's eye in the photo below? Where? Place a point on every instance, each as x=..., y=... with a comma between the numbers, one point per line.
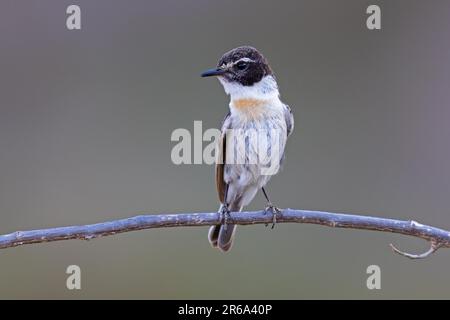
x=241, y=65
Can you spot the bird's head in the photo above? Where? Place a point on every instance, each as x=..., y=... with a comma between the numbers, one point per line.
x=243, y=66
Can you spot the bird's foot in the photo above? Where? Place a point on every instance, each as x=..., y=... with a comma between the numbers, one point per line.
x=225, y=216
x=275, y=211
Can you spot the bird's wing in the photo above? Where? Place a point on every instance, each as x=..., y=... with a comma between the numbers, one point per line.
x=289, y=117
x=220, y=159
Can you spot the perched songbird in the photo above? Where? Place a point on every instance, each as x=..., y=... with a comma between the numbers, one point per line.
x=256, y=113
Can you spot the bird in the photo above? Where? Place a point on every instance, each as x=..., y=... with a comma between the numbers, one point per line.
x=255, y=113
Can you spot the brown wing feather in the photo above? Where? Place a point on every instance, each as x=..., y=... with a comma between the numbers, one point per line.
x=220, y=160
x=220, y=183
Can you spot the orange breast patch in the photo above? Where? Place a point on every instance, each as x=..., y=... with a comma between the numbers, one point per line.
x=248, y=103
x=250, y=108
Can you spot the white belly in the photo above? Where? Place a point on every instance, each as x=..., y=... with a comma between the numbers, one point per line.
x=254, y=150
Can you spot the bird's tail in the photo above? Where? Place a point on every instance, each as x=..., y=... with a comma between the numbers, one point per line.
x=221, y=236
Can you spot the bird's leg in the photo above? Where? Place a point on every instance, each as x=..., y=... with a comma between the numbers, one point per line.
x=224, y=211
x=275, y=210
x=224, y=215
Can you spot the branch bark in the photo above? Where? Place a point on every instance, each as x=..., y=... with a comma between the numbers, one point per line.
x=438, y=238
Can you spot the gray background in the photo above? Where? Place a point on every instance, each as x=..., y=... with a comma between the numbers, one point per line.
x=85, y=124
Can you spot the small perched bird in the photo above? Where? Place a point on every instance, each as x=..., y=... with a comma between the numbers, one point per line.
x=256, y=112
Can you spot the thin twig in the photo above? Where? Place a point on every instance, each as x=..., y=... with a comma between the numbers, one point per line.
x=434, y=246
x=437, y=237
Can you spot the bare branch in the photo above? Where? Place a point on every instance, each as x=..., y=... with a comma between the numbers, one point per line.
x=438, y=237
x=433, y=248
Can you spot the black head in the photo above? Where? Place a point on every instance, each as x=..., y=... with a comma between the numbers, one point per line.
x=244, y=65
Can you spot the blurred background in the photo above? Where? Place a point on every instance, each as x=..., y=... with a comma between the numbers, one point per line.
x=85, y=124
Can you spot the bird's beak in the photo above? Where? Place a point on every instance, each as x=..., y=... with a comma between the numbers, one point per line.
x=213, y=72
